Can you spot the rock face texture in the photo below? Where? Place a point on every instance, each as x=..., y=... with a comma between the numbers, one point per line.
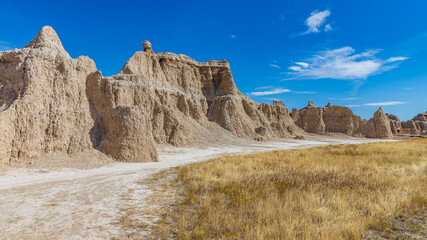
x=311, y=119
x=177, y=101
x=378, y=126
x=339, y=119
x=394, y=123
x=50, y=102
x=43, y=103
x=417, y=125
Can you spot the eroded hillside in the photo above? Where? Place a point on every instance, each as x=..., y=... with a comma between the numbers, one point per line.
x=50, y=102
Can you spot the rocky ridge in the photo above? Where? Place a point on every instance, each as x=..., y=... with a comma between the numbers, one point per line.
x=340, y=119
x=416, y=125
x=50, y=102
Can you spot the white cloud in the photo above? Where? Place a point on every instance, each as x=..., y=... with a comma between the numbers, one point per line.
x=304, y=92
x=4, y=46
x=396, y=59
x=269, y=92
x=266, y=87
x=391, y=103
x=316, y=20
x=275, y=90
x=328, y=28
x=343, y=63
x=302, y=64
x=295, y=68
x=344, y=99
x=232, y=36
x=274, y=65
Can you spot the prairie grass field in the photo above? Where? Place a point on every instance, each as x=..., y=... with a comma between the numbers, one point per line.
x=365, y=191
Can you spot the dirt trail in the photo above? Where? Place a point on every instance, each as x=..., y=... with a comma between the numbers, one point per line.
x=85, y=204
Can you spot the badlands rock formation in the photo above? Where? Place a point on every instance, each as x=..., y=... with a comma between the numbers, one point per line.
x=43, y=102
x=50, y=102
x=342, y=120
x=339, y=119
x=310, y=118
x=395, y=123
x=417, y=125
x=377, y=127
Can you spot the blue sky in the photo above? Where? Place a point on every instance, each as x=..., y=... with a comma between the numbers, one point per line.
x=360, y=54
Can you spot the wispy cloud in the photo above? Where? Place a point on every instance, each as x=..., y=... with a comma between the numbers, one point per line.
x=232, y=36
x=265, y=87
x=396, y=59
x=4, y=46
x=302, y=64
x=378, y=104
x=272, y=90
x=269, y=92
x=343, y=63
x=391, y=103
x=272, y=99
x=274, y=65
x=344, y=99
x=316, y=21
x=296, y=68
x=300, y=67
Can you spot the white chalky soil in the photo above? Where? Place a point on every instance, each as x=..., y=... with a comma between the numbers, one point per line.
x=85, y=204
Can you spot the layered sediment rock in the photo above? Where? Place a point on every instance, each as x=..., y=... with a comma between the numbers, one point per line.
x=311, y=119
x=417, y=125
x=378, y=126
x=50, y=102
x=279, y=119
x=395, y=123
x=339, y=119
x=43, y=102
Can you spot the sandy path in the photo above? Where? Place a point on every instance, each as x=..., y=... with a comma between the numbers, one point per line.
x=85, y=204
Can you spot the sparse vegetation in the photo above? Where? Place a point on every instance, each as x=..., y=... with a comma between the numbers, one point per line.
x=137, y=223
x=331, y=192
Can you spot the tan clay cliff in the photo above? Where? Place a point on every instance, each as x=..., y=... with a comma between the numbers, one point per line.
x=417, y=125
x=50, y=102
x=43, y=102
x=339, y=119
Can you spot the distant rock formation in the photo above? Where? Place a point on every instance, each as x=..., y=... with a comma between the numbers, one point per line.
x=416, y=125
x=311, y=119
x=378, y=126
x=339, y=119
x=395, y=123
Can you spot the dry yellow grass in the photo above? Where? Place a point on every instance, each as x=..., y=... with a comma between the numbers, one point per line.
x=332, y=192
